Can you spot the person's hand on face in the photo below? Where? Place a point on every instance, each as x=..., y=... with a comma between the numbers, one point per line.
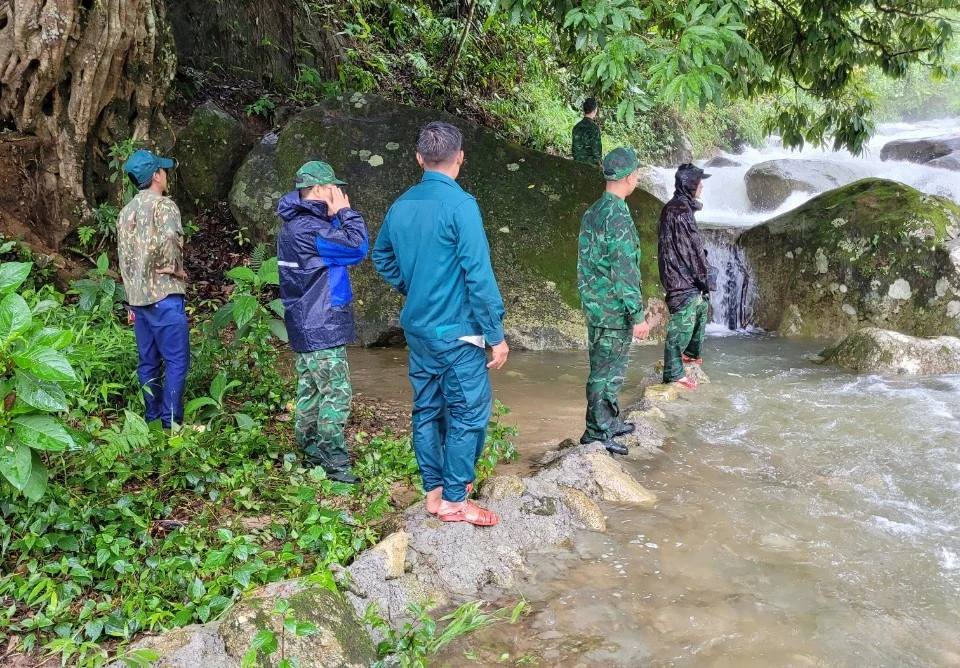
x=335, y=199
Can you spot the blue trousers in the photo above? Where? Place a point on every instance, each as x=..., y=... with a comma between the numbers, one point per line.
x=452, y=402
x=163, y=338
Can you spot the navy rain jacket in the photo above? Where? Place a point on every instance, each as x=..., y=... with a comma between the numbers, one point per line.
x=314, y=250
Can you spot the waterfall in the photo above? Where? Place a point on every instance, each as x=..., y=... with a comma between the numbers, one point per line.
x=736, y=294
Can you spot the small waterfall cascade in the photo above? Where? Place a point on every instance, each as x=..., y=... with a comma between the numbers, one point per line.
x=733, y=302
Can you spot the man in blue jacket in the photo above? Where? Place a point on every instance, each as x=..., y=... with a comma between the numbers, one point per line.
x=321, y=236
x=433, y=249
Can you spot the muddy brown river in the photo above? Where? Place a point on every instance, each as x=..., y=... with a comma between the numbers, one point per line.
x=806, y=518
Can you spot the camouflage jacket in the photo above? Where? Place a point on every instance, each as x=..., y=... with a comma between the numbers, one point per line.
x=150, y=238
x=608, y=269
x=586, y=142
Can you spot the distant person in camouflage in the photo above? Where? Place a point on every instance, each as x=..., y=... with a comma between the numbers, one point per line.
x=608, y=278
x=685, y=275
x=586, y=135
x=320, y=237
x=150, y=248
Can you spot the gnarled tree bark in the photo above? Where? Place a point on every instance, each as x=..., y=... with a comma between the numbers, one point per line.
x=81, y=75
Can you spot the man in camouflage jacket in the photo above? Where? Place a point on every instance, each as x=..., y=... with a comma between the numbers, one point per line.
x=586, y=135
x=150, y=246
x=686, y=276
x=608, y=278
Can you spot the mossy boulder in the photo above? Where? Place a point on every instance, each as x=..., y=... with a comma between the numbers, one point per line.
x=340, y=641
x=873, y=252
x=531, y=203
x=875, y=350
x=208, y=151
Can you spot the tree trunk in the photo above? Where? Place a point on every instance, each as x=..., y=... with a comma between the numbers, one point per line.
x=81, y=75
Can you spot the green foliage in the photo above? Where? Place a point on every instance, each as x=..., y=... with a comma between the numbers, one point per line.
x=263, y=106
x=265, y=643
x=498, y=445
x=413, y=644
x=99, y=289
x=34, y=379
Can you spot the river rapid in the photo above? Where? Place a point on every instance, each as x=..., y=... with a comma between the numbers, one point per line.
x=805, y=518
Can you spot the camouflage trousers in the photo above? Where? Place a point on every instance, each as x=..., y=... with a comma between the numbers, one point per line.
x=609, y=351
x=685, y=331
x=323, y=406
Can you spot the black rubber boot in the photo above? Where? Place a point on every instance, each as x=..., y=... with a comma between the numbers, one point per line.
x=344, y=476
x=615, y=448
x=624, y=428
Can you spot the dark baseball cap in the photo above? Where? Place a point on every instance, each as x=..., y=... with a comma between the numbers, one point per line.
x=619, y=163
x=142, y=165
x=690, y=173
x=316, y=173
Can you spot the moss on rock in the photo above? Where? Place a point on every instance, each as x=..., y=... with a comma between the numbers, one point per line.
x=873, y=252
x=531, y=202
x=208, y=151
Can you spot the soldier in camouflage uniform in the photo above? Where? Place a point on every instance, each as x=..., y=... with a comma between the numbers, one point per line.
x=608, y=278
x=320, y=237
x=150, y=248
x=586, y=135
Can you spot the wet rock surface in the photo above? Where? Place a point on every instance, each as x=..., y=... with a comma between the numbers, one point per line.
x=941, y=152
x=770, y=183
x=874, y=252
x=874, y=350
x=208, y=151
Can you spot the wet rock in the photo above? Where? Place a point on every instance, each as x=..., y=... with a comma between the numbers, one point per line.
x=535, y=262
x=393, y=550
x=616, y=484
x=662, y=393
x=454, y=561
x=502, y=487
x=585, y=509
x=188, y=647
x=341, y=639
x=874, y=350
x=647, y=438
x=889, y=251
x=924, y=151
x=722, y=161
x=208, y=151
x=770, y=183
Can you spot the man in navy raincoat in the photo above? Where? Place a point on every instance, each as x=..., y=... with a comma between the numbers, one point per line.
x=321, y=236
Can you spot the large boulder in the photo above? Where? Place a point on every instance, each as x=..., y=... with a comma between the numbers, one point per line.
x=531, y=202
x=208, y=151
x=874, y=251
x=936, y=151
x=770, y=183
x=875, y=350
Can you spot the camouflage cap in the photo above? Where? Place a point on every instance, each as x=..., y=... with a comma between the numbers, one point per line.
x=316, y=173
x=619, y=163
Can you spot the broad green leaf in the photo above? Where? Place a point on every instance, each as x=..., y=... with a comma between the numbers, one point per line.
x=15, y=316
x=277, y=307
x=12, y=275
x=103, y=263
x=196, y=404
x=218, y=386
x=44, y=306
x=244, y=421
x=46, y=364
x=94, y=629
x=43, y=395
x=16, y=460
x=265, y=641
x=52, y=337
x=269, y=272
x=244, y=308
x=249, y=659
x=244, y=274
x=278, y=329
x=196, y=589
x=42, y=432
x=223, y=316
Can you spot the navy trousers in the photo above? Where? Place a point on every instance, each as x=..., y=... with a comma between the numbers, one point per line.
x=163, y=339
x=452, y=402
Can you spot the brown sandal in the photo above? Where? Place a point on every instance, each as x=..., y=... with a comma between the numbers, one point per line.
x=485, y=518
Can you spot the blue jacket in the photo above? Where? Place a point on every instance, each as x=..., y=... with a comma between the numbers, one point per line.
x=313, y=253
x=432, y=248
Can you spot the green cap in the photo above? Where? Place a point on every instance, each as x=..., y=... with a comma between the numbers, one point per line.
x=316, y=173
x=619, y=163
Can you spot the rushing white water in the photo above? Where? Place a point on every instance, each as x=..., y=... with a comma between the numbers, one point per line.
x=725, y=194
x=734, y=299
